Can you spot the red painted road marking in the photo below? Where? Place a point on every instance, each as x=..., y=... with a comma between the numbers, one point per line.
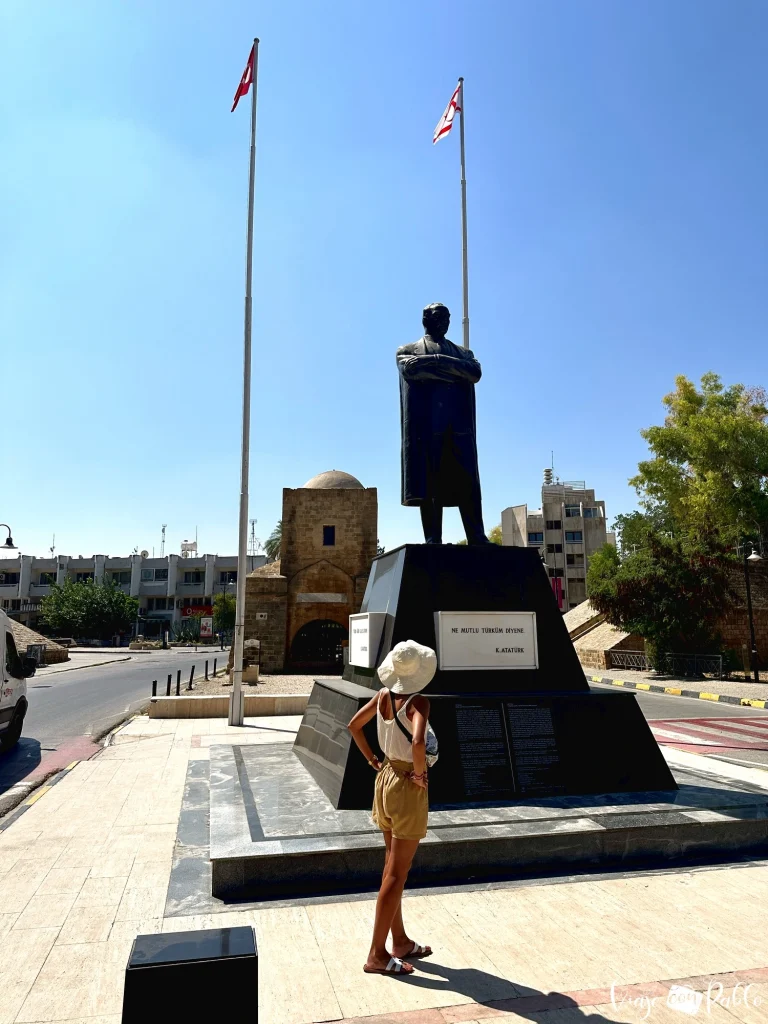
x=702, y=735
x=75, y=750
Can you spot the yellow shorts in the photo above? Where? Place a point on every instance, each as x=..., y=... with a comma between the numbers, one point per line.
x=399, y=805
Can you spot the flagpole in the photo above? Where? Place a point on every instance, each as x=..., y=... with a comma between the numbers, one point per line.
x=236, y=701
x=464, y=270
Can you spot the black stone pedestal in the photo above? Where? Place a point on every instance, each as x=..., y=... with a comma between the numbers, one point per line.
x=504, y=733
x=493, y=748
x=187, y=975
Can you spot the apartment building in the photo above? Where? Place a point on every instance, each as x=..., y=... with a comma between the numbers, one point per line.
x=169, y=589
x=568, y=528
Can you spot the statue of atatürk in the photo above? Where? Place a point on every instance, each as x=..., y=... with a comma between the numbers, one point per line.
x=437, y=413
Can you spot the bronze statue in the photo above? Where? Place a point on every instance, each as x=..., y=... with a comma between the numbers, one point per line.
x=437, y=416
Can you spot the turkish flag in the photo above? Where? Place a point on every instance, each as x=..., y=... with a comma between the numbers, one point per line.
x=245, y=81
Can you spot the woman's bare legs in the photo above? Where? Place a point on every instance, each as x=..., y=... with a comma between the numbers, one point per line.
x=389, y=915
x=401, y=944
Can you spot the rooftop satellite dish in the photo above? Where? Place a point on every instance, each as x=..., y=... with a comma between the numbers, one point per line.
x=145, y=554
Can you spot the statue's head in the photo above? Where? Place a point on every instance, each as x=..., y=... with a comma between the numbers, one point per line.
x=436, y=319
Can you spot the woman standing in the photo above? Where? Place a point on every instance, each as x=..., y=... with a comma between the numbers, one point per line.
x=400, y=803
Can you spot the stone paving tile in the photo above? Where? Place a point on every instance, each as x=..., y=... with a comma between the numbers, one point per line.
x=22, y=960
x=45, y=911
x=493, y=944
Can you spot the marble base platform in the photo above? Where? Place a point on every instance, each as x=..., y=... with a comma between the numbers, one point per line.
x=273, y=832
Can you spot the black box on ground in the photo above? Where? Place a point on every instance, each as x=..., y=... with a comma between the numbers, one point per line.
x=186, y=975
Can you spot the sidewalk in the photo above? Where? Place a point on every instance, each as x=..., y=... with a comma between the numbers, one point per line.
x=87, y=866
x=83, y=659
x=727, y=691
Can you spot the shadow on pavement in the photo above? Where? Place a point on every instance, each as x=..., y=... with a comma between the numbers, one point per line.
x=502, y=996
x=17, y=764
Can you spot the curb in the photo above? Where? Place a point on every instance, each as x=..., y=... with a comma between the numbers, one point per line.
x=675, y=691
x=27, y=793
x=91, y=664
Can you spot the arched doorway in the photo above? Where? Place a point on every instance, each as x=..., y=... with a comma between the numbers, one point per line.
x=317, y=647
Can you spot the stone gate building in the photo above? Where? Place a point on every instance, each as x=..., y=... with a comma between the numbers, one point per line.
x=299, y=606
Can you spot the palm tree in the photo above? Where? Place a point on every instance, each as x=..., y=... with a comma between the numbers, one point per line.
x=274, y=540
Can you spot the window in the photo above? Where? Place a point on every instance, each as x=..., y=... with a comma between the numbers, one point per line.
x=573, y=536
x=8, y=579
x=535, y=538
x=577, y=579
x=12, y=659
x=574, y=559
x=572, y=511
x=329, y=536
x=161, y=574
x=83, y=577
x=554, y=549
x=556, y=573
x=159, y=604
x=554, y=524
x=592, y=513
x=122, y=576
x=228, y=576
x=195, y=576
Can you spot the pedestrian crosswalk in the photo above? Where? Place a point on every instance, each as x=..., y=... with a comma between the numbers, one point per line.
x=708, y=735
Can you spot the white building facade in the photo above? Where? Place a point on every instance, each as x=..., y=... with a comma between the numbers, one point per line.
x=169, y=589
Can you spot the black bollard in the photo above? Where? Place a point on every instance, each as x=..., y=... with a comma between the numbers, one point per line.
x=168, y=687
x=191, y=677
x=206, y=670
x=214, y=668
x=154, y=687
x=178, y=682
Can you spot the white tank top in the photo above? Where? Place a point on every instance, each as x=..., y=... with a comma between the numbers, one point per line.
x=391, y=740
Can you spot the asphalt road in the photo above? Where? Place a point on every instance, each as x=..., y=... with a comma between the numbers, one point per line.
x=698, y=722
x=68, y=711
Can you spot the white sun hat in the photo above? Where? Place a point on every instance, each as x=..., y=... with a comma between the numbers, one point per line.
x=408, y=667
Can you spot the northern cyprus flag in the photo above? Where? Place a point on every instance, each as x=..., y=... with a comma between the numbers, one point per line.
x=445, y=123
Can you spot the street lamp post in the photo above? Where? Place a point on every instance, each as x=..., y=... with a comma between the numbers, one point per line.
x=754, y=557
x=9, y=545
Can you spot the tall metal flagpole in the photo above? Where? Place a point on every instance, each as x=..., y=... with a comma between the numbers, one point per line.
x=236, y=702
x=464, y=270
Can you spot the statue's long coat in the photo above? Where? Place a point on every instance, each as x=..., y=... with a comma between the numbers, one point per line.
x=437, y=417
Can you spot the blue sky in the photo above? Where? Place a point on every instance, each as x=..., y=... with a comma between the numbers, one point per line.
x=618, y=219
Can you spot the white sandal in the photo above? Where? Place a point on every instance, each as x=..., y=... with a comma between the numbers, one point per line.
x=395, y=966
x=418, y=951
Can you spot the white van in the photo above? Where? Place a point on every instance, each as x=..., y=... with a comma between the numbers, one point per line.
x=14, y=672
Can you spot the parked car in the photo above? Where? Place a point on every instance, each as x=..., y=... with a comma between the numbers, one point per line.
x=14, y=672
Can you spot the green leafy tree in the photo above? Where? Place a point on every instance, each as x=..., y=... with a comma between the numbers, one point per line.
x=670, y=592
x=709, y=462
x=274, y=541
x=93, y=609
x=494, y=535
x=224, y=607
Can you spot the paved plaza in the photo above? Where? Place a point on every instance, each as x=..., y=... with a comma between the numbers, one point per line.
x=87, y=866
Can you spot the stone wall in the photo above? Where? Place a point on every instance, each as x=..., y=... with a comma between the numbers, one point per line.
x=734, y=625
x=322, y=579
x=354, y=514
x=267, y=595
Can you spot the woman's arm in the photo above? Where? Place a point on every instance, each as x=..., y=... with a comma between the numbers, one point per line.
x=420, y=707
x=361, y=719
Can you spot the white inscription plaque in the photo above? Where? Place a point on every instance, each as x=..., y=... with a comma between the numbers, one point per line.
x=481, y=640
x=364, y=637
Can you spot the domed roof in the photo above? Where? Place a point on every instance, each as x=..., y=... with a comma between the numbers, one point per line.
x=333, y=479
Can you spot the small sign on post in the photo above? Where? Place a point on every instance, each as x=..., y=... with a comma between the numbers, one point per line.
x=364, y=637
